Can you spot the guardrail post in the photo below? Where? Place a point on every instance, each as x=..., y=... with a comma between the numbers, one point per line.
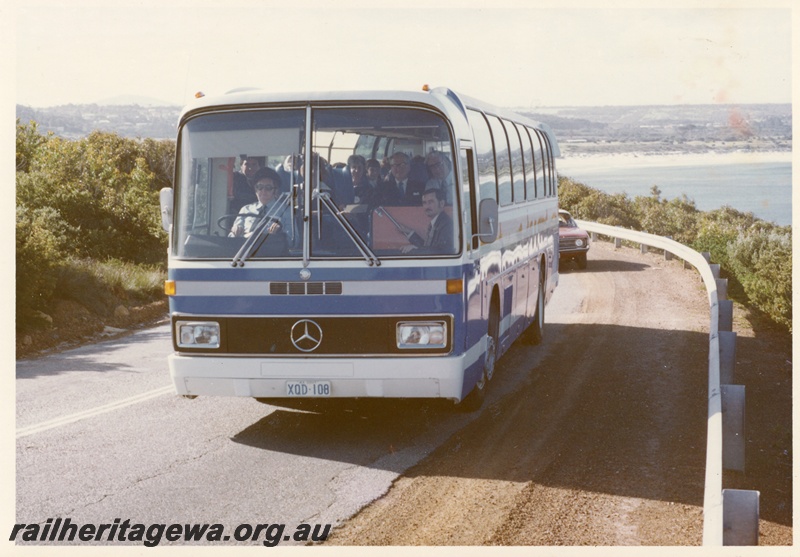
x=725, y=315
x=617, y=242
x=727, y=357
x=707, y=256
x=644, y=248
x=714, y=269
x=722, y=289
x=733, y=427
x=740, y=511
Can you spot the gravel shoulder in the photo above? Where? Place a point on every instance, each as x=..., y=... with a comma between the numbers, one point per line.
x=604, y=442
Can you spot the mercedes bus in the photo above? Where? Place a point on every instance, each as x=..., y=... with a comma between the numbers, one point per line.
x=388, y=244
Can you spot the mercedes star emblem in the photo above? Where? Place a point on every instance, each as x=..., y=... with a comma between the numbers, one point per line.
x=306, y=335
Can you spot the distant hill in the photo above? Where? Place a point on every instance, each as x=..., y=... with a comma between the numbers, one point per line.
x=131, y=119
x=678, y=128
x=758, y=127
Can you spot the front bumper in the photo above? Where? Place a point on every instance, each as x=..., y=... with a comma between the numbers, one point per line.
x=410, y=377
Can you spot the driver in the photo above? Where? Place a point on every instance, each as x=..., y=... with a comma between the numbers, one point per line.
x=267, y=184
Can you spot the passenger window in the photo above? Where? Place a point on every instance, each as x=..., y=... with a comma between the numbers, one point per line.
x=504, y=195
x=484, y=152
x=547, y=164
x=530, y=169
x=539, y=163
x=517, y=166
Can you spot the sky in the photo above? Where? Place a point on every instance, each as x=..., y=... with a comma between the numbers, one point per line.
x=567, y=53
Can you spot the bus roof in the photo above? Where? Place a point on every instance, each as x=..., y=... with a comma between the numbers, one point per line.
x=442, y=98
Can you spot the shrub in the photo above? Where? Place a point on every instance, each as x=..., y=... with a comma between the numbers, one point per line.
x=92, y=199
x=40, y=242
x=676, y=218
x=761, y=259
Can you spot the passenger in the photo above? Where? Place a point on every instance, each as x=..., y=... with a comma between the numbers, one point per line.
x=267, y=185
x=440, y=230
x=363, y=192
x=418, y=171
x=399, y=188
x=441, y=173
x=324, y=171
x=243, y=193
x=287, y=172
x=374, y=173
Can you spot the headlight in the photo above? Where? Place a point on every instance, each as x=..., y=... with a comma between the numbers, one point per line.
x=579, y=243
x=197, y=334
x=422, y=334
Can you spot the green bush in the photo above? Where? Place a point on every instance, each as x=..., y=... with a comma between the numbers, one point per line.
x=93, y=199
x=761, y=259
x=676, y=218
x=40, y=242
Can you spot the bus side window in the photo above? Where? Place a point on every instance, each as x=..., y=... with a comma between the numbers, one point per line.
x=484, y=151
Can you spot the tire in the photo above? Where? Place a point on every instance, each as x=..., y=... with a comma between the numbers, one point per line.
x=474, y=400
x=581, y=261
x=535, y=332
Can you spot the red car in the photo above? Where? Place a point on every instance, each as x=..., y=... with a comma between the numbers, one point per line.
x=573, y=242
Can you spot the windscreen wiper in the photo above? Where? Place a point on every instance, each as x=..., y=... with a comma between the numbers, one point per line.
x=369, y=256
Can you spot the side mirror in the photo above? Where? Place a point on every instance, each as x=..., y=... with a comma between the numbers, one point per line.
x=165, y=196
x=487, y=221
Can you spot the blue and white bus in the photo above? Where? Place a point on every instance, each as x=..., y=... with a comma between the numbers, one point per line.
x=401, y=259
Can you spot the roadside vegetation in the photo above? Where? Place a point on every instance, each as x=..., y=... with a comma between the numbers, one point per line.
x=88, y=226
x=89, y=242
x=754, y=255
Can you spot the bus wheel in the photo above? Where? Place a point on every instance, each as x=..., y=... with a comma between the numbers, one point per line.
x=474, y=400
x=535, y=331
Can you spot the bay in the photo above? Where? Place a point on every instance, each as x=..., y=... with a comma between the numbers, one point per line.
x=760, y=183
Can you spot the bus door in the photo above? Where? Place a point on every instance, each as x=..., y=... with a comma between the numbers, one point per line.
x=473, y=279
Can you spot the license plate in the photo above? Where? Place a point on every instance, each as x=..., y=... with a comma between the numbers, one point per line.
x=308, y=388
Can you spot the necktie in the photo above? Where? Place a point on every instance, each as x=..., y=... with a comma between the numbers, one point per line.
x=429, y=238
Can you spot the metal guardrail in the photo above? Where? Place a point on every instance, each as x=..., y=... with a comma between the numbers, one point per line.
x=730, y=517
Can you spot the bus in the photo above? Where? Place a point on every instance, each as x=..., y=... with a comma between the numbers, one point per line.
x=401, y=259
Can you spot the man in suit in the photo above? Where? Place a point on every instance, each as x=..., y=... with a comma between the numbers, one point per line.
x=440, y=172
x=439, y=238
x=243, y=192
x=399, y=188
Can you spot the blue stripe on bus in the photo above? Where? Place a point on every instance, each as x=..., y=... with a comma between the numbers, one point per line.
x=311, y=305
x=319, y=273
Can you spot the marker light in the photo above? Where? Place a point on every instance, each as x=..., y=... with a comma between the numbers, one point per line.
x=426, y=87
x=455, y=286
x=169, y=287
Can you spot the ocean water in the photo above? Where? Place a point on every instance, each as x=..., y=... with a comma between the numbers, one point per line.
x=756, y=183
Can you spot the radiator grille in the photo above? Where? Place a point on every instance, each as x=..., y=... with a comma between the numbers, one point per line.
x=305, y=288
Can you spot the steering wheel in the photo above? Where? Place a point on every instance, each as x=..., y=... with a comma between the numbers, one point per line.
x=222, y=221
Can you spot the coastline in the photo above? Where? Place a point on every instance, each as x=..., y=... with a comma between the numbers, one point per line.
x=594, y=160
